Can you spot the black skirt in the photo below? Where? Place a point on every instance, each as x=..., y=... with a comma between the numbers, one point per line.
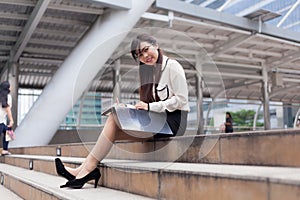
x=177, y=121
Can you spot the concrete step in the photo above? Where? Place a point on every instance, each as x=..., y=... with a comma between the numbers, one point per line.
x=169, y=180
x=268, y=148
x=7, y=194
x=29, y=184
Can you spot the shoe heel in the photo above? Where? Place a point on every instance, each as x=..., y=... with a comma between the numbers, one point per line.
x=96, y=182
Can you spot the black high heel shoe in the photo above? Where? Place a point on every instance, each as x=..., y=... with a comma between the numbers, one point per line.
x=60, y=169
x=78, y=183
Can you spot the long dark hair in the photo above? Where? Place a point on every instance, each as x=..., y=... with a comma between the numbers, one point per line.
x=229, y=115
x=4, y=91
x=149, y=75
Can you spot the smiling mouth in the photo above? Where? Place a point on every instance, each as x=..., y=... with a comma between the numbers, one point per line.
x=149, y=59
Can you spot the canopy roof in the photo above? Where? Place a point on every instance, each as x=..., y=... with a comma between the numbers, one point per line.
x=39, y=35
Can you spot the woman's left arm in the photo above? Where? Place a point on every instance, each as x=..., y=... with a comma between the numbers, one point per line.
x=9, y=115
x=8, y=111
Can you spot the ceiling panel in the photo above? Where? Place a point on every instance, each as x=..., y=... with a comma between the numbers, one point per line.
x=238, y=54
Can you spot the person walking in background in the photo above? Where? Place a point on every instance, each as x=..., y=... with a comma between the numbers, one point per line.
x=5, y=112
x=228, y=123
x=298, y=122
x=163, y=88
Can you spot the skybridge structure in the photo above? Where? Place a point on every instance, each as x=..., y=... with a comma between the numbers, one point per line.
x=67, y=49
x=68, y=60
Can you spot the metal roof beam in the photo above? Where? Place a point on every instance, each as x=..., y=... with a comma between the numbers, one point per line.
x=73, y=35
x=228, y=4
x=5, y=48
x=124, y=4
x=36, y=74
x=56, y=43
x=285, y=59
x=18, y=2
x=288, y=13
x=60, y=52
x=242, y=83
x=3, y=57
x=155, y=16
x=41, y=60
x=257, y=52
x=64, y=7
x=287, y=71
x=11, y=28
x=238, y=65
x=241, y=58
x=206, y=3
x=14, y=16
x=57, y=20
x=226, y=18
x=94, y=11
x=193, y=22
x=225, y=5
x=186, y=43
x=292, y=25
x=29, y=28
x=226, y=74
x=218, y=50
x=8, y=38
x=285, y=44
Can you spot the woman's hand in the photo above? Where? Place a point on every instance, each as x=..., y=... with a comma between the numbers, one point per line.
x=11, y=123
x=141, y=106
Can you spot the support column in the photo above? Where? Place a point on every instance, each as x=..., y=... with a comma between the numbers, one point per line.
x=199, y=94
x=116, y=82
x=256, y=117
x=14, y=85
x=266, y=103
x=79, y=115
x=287, y=115
x=76, y=73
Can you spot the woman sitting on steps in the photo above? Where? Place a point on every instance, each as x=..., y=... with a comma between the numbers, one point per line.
x=163, y=89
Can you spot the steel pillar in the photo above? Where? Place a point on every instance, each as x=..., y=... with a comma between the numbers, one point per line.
x=117, y=81
x=266, y=102
x=199, y=93
x=13, y=74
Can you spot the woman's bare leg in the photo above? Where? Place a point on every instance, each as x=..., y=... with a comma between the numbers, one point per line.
x=103, y=145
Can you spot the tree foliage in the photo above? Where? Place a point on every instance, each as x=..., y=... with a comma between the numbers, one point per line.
x=245, y=118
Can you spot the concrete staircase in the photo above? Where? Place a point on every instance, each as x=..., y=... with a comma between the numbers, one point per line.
x=249, y=165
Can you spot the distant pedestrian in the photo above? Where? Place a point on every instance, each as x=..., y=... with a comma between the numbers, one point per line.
x=298, y=122
x=5, y=112
x=228, y=123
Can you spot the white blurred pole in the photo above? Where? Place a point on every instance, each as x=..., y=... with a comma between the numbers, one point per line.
x=288, y=13
x=75, y=75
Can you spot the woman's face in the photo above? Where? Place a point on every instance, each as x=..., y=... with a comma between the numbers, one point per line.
x=148, y=53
